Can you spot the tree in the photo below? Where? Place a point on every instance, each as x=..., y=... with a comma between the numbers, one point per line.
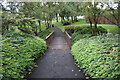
x=93, y=12
x=57, y=10
x=114, y=12
x=33, y=12
x=75, y=10
x=69, y=9
x=9, y=14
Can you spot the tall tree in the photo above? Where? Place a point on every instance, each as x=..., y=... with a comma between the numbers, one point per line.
x=113, y=11
x=92, y=12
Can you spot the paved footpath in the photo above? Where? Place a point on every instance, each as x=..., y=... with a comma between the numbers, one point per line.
x=58, y=61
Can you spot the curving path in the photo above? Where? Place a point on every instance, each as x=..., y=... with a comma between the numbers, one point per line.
x=58, y=61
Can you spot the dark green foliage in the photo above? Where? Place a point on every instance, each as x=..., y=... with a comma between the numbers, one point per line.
x=77, y=36
x=45, y=33
x=26, y=30
x=98, y=56
x=82, y=32
x=101, y=30
x=66, y=22
x=19, y=52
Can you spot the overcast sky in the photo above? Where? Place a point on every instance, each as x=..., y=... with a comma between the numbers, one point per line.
x=111, y=3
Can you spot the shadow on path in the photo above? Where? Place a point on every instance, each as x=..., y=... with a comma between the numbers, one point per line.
x=58, y=61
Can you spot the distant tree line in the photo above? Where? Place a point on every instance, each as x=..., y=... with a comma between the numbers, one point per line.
x=29, y=16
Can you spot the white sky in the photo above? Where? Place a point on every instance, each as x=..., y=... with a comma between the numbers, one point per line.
x=111, y=3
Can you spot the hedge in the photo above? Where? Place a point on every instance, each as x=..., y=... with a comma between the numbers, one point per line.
x=66, y=22
x=98, y=56
x=82, y=32
x=18, y=54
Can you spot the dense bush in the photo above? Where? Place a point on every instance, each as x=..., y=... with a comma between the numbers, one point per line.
x=98, y=56
x=45, y=33
x=19, y=52
x=77, y=36
x=66, y=22
x=82, y=32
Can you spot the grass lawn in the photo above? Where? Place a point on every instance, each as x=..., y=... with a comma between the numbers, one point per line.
x=112, y=28
x=59, y=25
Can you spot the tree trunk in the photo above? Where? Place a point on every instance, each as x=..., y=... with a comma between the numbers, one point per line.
x=75, y=18
x=62, y=19
x=39, y=25
x=95, y=25
x=56, y=17
x=47, y=24
x=90, y=23
x=36, y=34
x=95, y=29
x=72, y=19
x=68, y=18
x=7, y=27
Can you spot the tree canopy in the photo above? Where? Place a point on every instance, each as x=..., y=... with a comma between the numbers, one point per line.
x=30, y=15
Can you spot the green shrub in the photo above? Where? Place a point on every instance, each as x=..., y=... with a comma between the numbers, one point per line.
x=66, y=22
x=98, y=56
x=82, y=32
x=18, y=54
x=45, y=33
x=77, y=36
x=101, y=30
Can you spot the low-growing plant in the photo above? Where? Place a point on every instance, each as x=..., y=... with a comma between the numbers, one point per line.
x=77, y=36
x=82, y=32
x=18, y=54
x=66, y=22
x=98, y=56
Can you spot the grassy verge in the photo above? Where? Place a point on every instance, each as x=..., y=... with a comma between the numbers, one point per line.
x=59, y=25
x=81, y=23
x=109, y=27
